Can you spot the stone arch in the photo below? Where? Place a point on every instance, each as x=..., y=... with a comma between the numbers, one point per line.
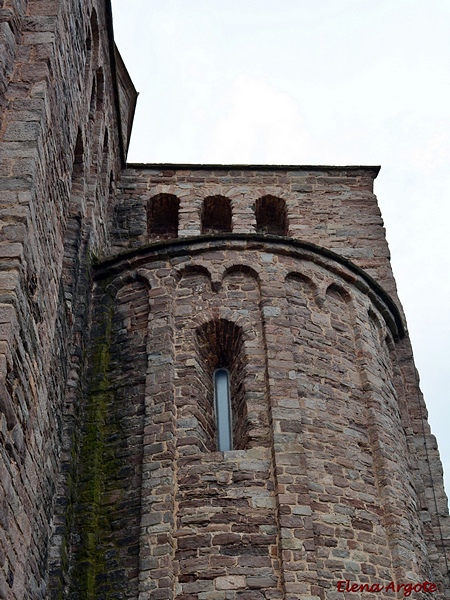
x=389, y=341
x=87, y=65
x=92, y=44
x=383, y=346
x=110, y=185
x=216, y=215
x=125, y=278
x=376, y=325
x=240, y=288
x=245, y=269
x=193, y=280
x=78, y=164
x=192, y=270
x=340, y=311
x=307, y=290
x=95, y=35
x=303, y=305
x=105, y=144
x=162, y=216
x=334, y=290
x=271, y=215
x=73, y=234
x=98, y=151
x=220, y=344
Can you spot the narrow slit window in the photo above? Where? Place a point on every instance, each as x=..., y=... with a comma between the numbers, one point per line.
x=223, y=409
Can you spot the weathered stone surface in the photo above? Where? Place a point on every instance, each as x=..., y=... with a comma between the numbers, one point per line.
x=122, y=290
x=44, y=109
x=231, y=582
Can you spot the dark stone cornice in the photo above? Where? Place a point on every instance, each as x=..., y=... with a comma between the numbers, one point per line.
x=235, y=167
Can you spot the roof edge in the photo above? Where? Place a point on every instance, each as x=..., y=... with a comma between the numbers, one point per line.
x=116, y=62
x=375, y=169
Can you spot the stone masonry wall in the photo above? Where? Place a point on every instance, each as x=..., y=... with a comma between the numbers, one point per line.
x=104, y=556
x=331, y=207
x=59, y=158
x=123, y=290
x=327, y=206
x=327, y=484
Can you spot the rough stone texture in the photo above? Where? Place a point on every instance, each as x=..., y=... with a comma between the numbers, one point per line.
x=327, y=206
x=108, y=491
x=322, y=387
x=123, y=289
x=58, y=164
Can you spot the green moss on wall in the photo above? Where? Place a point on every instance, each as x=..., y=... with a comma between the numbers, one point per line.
x=96, y=465
x=105, y=547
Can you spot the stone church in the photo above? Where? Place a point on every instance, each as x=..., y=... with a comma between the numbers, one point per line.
x=207, y=388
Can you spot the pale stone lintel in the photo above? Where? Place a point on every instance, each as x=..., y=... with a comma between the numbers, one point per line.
x=302, y=510
x=230, y=582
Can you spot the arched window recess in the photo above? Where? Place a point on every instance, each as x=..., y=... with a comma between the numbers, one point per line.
x=271, y=216
x=222, y=376
x=216, y=215
x=162, y=216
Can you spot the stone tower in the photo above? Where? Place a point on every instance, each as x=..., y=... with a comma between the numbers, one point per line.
x=207, y=389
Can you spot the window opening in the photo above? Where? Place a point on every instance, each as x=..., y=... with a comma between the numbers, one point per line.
x=216, y=215
x=163, y=216
x=223, y=409
x=221, y=351
x=271, y=216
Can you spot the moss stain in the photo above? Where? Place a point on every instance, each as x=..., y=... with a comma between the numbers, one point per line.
x=97, y=464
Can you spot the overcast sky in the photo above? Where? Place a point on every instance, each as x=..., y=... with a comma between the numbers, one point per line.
x=335, y=82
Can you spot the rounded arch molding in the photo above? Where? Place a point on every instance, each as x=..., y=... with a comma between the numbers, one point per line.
x=112, y=288
x=191, y=251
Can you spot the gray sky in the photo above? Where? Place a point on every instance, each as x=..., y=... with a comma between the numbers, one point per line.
x=333, y=82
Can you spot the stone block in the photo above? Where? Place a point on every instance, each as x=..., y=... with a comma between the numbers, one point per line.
x=230, y=582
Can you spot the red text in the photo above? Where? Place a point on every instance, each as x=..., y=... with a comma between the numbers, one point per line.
x=406, y=588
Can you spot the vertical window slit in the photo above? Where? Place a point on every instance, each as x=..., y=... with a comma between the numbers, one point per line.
x=223, y=409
